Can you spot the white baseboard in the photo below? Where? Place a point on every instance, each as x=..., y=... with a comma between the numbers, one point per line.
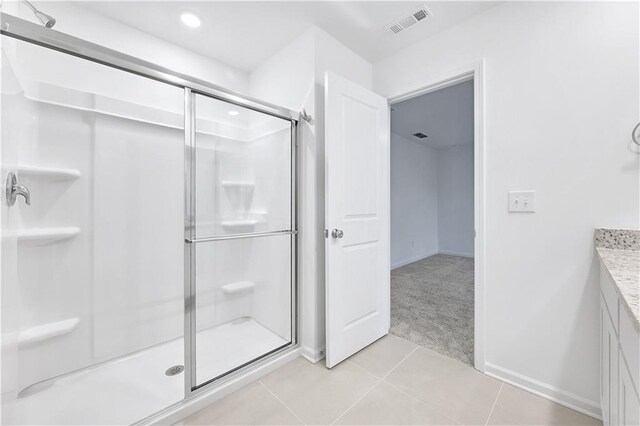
x=562, y=397
x=312, y=355
x=415, y=259
x=186, y=407
x=455, y=253
x=431, y=253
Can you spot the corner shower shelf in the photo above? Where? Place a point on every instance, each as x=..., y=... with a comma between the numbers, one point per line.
x=241, y=223
x=52, y=173
x=237, y=184
x=46, y=331
x=47, y=235
x=237, y=287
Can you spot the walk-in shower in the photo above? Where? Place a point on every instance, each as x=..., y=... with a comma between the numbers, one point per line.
x=158, y=255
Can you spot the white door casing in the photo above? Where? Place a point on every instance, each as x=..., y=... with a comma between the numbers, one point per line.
x=357, y=163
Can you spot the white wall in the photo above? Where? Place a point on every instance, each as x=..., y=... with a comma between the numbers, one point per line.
x=414, y=201
x=88, y=25
x=455, y=201
x=294, y=78
x=561, y=85
x=431, y=201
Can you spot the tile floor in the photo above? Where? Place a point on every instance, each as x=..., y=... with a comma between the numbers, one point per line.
x=393, y=381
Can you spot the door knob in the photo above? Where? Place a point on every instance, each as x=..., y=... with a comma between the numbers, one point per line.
x=337, y=233
x=12, y=190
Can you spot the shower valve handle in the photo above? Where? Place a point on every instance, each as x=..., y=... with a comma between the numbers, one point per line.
x=13, y=189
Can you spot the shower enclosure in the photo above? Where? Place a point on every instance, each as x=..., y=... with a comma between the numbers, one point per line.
x=157, y=255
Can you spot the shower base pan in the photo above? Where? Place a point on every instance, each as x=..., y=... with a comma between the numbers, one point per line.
x=133, y=387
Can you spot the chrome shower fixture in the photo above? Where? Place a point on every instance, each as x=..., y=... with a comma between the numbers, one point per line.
x=47, y=20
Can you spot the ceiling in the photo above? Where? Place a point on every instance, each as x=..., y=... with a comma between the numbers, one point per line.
x=445, y=116
x=245, y=33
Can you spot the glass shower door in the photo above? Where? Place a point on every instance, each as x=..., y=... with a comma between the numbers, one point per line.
x=242, y=223
x=92, y=270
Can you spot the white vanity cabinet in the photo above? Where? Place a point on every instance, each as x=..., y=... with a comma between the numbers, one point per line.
x=619, y=358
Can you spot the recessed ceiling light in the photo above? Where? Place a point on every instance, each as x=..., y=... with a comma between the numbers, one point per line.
x=233, y=112
x=190, y=19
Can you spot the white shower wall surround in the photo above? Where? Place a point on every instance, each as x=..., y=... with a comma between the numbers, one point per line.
x=91, y=276
x=116, y=284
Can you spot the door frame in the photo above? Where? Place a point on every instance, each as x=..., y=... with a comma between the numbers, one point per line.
x=474, y=72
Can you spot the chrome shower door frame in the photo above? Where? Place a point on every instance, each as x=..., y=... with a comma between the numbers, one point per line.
x=20, y=29
x=191, y=241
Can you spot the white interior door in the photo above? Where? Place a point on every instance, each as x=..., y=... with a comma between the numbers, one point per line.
x=357, y=217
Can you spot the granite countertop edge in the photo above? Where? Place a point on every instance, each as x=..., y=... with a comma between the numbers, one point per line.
x=622, y=264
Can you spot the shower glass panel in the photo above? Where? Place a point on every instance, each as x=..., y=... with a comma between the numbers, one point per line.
x=92, y=288
x=243, y=170
x=243, y=228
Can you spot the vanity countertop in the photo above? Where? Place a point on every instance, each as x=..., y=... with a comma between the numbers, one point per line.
x=619, y=252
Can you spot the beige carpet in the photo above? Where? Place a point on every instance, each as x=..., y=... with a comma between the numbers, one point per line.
x=432, y=305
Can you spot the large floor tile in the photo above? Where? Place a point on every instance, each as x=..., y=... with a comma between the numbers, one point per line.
x=517, y=407
x=380, y=357
x=386, y=405
x=466, y=395
x=452, y=388
x=422, y=367
x=251, y=405
x=316, y=394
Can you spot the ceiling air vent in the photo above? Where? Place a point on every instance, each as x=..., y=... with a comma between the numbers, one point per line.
x=395, y=28
x=409, y=21
x=420, y=135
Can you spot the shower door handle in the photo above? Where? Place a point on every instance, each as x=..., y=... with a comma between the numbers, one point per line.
x=337, y=233
x=13, y=189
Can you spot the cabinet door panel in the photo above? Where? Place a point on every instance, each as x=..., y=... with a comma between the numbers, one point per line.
x=629, y=403
x=610, y=297
x=604, y=363
x=609, y=368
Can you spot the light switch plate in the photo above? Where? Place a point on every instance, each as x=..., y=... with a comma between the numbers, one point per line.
x=522, y=201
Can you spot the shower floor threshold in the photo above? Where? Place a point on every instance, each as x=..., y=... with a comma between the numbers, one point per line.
x=133, y=387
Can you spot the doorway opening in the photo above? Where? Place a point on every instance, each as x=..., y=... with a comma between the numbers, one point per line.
x=433, y=219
